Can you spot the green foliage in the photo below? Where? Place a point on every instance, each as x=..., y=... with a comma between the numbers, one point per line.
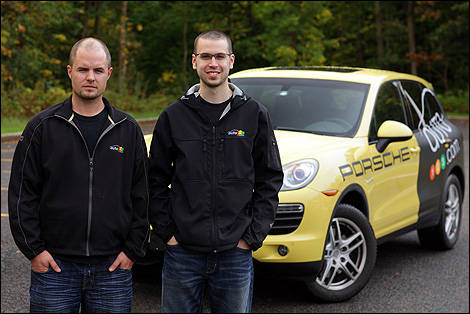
x=132, y=103
x=13, y=124
x=455, y=102
x=36, y=38
x=26, y=102
x=291, y=32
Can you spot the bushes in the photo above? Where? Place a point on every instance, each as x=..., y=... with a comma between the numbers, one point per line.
x=22, y=102
x=455, y=102
x=134, y=103
x=26, y=102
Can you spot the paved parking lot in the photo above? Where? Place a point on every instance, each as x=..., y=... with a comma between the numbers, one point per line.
x=406, y=278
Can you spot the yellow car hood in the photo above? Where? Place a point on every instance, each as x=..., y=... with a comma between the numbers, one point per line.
x=297, y=145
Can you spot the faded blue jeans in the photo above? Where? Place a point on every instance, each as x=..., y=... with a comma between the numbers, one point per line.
x=93, y=287
x=226, y=277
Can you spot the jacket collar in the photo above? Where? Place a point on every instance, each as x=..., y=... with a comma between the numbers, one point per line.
x=114, y=115
x=238, y=97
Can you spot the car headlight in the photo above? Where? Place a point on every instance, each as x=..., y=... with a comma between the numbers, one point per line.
x=299, y=173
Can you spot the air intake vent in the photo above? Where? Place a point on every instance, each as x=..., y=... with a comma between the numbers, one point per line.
x=288, y=218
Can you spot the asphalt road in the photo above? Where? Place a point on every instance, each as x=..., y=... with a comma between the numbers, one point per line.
x=406, y=278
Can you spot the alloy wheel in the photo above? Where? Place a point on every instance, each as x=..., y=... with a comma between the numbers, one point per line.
x=452, y=212
x=345, y=255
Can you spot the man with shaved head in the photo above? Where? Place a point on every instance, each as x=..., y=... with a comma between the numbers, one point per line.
x=78, y=196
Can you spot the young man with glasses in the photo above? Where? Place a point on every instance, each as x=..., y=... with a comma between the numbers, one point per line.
x=214, y=177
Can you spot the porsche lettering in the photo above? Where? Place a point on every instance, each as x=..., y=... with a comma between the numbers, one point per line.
x=360, y=167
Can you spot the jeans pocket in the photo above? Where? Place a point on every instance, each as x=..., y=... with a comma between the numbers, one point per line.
x=172, y=246
x=243, y=250
x=42, y=272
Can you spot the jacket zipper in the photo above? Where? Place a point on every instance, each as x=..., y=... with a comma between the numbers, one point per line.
x=90, y=205
x=90, y=180
x=90, y=185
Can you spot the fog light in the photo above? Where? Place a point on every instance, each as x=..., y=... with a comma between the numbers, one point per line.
x=282, y=250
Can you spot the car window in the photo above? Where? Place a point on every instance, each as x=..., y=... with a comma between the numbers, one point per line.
x=432, y=107
x=388, y=106
x=421, y=114
x=309, y=105
x=412, y=98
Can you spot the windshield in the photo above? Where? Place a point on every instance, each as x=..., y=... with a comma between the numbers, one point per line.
x=308, y=105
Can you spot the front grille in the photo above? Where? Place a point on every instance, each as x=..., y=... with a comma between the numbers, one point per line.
x=288, y=218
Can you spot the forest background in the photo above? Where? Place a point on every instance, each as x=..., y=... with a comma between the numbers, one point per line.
x=151, y=44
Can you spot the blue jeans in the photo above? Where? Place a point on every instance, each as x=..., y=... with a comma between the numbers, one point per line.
x=93, y=287
x=226, y=277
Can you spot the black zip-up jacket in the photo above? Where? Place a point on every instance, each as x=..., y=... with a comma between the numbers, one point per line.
x=224, y=178
x=69, y=201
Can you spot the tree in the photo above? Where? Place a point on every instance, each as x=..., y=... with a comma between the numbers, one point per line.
x=185, y=41
x=122, y=47
x=411, y=37
x=291, y=32
x=379, y=26
x=99, y=6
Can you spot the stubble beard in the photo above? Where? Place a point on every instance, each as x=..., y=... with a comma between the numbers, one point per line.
x=87, y=97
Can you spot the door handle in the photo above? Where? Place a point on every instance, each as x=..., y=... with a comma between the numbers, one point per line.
x=415, y=149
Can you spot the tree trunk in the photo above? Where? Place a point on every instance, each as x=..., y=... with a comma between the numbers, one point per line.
x=411, y=38
x=360, y=39
x=185, y=42
x=122, y=47
x=379, y=25
x=84, y=32
x=99, y=5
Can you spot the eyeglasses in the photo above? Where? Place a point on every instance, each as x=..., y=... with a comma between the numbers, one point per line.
x=218, y=56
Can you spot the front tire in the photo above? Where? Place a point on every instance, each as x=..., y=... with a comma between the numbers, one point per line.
x=348, y=259
x=445, y=234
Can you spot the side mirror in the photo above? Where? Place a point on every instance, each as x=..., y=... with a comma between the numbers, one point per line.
x=392, y=131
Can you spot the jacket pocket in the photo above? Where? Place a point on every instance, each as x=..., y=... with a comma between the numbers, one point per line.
x=190, y=162
x=234, y=212
x=237, y=158
x=274, y=159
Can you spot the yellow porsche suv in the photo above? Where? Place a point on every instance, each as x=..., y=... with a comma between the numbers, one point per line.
x=367, y=155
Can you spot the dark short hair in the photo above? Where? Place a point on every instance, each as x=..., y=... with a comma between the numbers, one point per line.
x=89, y=42
x=213, y=35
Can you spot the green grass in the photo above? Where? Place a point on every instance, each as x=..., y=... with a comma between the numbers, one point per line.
x=13, y=125
x=457, y=115
x=145, y=114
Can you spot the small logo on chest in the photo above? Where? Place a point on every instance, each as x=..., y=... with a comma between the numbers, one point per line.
x=117, y=148
x=236, y=132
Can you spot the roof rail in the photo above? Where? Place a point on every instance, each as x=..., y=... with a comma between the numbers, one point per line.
x=316, y=68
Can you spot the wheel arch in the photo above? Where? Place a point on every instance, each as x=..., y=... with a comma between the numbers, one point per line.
x=458, y=172
x=352, y=195
x=355, y=196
